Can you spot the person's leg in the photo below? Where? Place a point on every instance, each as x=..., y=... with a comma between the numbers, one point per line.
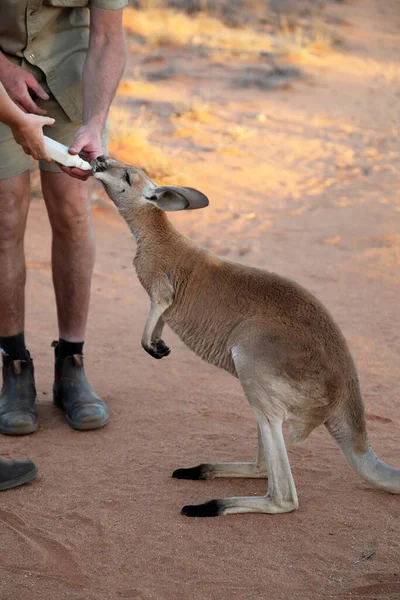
x=14, y=204
x=69, y=208
x=17, y=399
x=68, y=205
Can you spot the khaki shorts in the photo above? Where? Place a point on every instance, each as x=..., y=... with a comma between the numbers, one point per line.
x=13, y=159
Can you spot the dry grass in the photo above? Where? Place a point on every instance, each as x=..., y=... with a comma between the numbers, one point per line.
x=130, y=143
x=171, y=28
x=196, y=109
x=166, y=27
x=300, y=42
x=239, y=133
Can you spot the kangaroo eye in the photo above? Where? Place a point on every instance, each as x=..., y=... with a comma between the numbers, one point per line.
x=126, y=177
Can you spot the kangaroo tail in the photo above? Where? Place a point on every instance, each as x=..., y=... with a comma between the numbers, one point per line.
x=349, y=431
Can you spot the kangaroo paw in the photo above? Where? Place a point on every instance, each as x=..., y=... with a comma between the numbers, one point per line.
x=157, y=349
x=193, y=473
x=212, y=508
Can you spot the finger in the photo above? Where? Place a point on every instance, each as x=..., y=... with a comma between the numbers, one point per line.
x=36, y=152
x=21, y=106
x=89, y=155
x=48, y=121
x=66, y=170
x=92, y=155
x=77, y=145
x=31, y=106
x=31, y=152
x=85, y=155
x=79, y=174
x=42, y=154
x=62, y=168
x=74, y=172
x=35, y=155
x=39, y=91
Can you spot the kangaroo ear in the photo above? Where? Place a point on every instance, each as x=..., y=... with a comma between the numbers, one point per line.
x=170, y=197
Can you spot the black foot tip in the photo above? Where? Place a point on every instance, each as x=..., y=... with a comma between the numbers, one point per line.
x=193, y=473
x=159, y=350
x=208, y=509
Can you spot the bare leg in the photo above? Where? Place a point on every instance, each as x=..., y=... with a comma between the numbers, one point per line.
x=14, y=205
x=253, y=470
x=68, y=205
x=17, y=399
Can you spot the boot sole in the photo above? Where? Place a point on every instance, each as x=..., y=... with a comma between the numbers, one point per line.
x=86, y=426
x=78, y=426
x=25, y=478
x=20, y=430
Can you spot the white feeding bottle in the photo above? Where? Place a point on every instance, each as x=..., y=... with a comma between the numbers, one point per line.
x=59, y=153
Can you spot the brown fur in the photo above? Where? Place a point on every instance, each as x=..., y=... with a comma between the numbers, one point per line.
x=290, y=356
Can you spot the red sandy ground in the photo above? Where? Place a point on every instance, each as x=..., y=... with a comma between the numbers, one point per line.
x=313, y=195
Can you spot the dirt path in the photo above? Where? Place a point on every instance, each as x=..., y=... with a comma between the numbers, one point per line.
x=308, y=187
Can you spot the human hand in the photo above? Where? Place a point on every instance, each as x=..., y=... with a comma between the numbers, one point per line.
x=17, y=83
x=87, y=143
x=28, y=134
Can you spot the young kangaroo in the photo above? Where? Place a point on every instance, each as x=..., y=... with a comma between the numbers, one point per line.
x=289, y=355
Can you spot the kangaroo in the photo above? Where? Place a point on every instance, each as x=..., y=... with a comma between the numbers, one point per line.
x=290, y=356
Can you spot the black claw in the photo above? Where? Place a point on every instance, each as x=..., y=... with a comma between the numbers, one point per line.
x=160, y=350
x=153, y=354
x=194, y=473
x=212, y=508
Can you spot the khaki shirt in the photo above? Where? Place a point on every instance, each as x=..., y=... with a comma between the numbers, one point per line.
x=52, y=35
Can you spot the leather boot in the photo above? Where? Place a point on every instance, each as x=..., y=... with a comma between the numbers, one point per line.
x=16, y=472
x=17, y=399
x=72, y=393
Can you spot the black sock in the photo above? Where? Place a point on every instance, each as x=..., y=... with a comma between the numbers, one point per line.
x=13, y=347
x=64, y=348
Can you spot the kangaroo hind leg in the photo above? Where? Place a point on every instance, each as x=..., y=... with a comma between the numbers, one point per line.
x=281, y=494
x=251, y=470
x=264, y=397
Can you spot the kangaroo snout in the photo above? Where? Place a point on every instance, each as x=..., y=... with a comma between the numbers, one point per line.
x=130, y=188
x=101, y=163
x=98, y=164
x=125, y=185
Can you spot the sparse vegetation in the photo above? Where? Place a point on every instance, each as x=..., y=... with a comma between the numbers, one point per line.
x=258, y=42
x=171, y=28
x=129, y=142
x=239, y=133
x=290, y=28
x=301, y=41
x=195, y=110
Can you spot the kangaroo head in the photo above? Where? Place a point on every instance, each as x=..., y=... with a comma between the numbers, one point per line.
x=129, y=187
